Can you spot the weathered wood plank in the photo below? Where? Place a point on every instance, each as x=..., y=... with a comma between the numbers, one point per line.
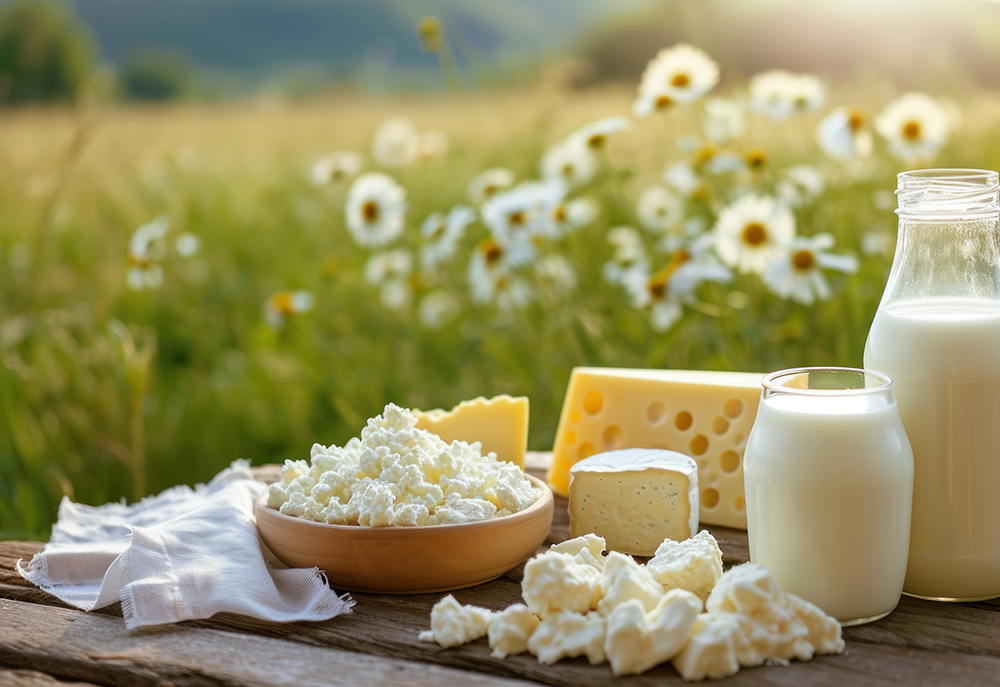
x=31, y=678
x=85, y=646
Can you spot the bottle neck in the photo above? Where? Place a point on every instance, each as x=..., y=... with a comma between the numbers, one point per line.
x=942, y=257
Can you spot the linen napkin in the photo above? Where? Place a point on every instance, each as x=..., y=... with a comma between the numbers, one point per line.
x=183, y=554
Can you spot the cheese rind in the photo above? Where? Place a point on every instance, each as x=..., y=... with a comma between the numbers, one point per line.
x=500, y=424
x=634, y=498
x=707, y=415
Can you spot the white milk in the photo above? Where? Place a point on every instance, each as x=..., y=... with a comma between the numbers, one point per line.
x=828, y=491
x=944, y=356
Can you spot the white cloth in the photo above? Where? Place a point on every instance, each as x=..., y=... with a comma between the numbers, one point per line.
x=183, y=554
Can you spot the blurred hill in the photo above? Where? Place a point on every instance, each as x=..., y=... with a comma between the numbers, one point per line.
x=339, y=39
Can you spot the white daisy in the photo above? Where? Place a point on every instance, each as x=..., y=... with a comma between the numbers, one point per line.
x=568, y=215
x=335, y=168
x=396, y=294
x=693, y=264
x=437, y=309
x=680, y=74
x=147, y=247
x=659, y=209
x=557, y=273
x=844, y=134
x=752, y=232
x=375, y=210
x=396, y=143
x=187, y=245
x=441, y=234
x=797, y=274
x=388, y=266
x=915, y=126
x=801, y=185
x=283, y=304
x=491, y=278
x=654, y=293
x=629, y=255
x=725, y=119
x=432, y=145
x=595, y=135
x=486, y=183
x=520, y=216
x=778, y=93
x=571, y=161
x=683, y=178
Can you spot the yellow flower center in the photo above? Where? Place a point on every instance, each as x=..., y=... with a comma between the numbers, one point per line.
x=663, y=102
x=657, y=286
x=911, y=130
x=516, y=219
x=567, y=169
x=803, y=260
x=141, y=263
x=281, y=303
x=489, y=190
x=801, y=102
x=855, y=119
x=336, y=174
x=680, y=80
x=754, y=234
x=370, y=211
x=491, y=251
x=559, y=214
x=704, y=154
x=756, y=158
x=597, y=141
x=431, y=33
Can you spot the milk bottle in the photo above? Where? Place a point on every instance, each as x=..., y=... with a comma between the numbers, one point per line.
x=937, y=334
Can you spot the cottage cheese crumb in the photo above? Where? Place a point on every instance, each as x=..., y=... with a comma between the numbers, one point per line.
x=396, y=475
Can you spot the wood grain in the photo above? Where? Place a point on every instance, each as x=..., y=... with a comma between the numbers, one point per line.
x=922, y=642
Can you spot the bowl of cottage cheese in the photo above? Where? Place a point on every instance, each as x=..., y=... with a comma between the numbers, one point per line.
x=399, y=510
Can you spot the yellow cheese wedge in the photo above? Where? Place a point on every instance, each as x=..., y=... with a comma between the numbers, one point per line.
x=499, y=423
x=705, y=415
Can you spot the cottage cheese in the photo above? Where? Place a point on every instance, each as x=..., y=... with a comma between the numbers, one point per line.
x=637, y=640
x=510, y=630
x=453, y=624
x=693, y=564
x=396, y=475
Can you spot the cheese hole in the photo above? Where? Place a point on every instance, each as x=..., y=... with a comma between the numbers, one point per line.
x=569, y=437
x=683, y=420
x=585, y=451
x=720, y=425
x=656, y=413
x=729, y=461
x=733, y=408
x=593, y=402
x=614, y=437
x=740, y=504
x=709, y=498
x=699, y=444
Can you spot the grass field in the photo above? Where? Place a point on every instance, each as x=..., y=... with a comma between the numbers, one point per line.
x=108, y=392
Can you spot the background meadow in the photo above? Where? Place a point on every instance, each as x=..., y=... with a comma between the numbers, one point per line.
x=180, y=286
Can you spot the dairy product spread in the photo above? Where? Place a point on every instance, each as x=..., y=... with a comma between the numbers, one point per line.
x=566, y=634
x=399, y=475
x=634, y=498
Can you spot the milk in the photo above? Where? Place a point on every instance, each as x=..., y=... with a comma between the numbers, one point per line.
x=944, y=356
x=828, y=494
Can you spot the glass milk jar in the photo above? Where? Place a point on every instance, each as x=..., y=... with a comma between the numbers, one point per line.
x=937, y=334
x=829, y=480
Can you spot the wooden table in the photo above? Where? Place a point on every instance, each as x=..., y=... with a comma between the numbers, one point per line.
x=44, y=642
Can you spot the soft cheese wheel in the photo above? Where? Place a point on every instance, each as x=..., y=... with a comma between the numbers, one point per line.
x=634, y=498
x=500, y=424
x=706, y=415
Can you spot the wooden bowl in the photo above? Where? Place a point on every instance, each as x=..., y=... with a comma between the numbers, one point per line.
x=408, y=560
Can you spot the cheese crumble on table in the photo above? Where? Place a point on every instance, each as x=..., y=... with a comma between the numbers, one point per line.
x=396, y=475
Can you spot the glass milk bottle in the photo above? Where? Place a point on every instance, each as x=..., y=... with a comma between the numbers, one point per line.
x=937, y=334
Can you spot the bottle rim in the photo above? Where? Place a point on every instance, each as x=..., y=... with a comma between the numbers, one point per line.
x=948, y=193
x=883, y=382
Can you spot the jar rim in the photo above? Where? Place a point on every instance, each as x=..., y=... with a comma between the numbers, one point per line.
x=771, y=383
x=948, y=173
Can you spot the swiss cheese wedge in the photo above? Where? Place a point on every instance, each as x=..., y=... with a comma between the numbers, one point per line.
x=499, y=423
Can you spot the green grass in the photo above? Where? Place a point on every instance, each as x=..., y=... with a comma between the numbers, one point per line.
x=107, y=393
